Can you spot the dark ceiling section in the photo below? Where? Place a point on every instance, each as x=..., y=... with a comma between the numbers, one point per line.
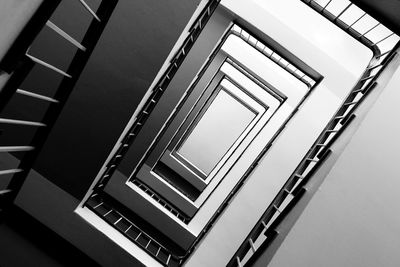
x=385, y=11
x=133, y=47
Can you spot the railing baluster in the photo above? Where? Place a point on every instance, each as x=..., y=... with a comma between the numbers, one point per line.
x=350, y=103
x=239, y=263
x=87, y=7
x=342, y=12
x=331, y=131
x=253, y=248
x=312, y=160
x=384, y=54
x=276, y=59
x=130, y=226
x=65, y=35
x=358, y=91
x=340, y=117
x=37, y=96
x=10, y=171
x=118, y=221
x=108, y=212
x=98, y=205
x=148, y=243
x=5, y=191
x=21, y=122
x=326, y=5
x=138, y=236
x=169, y=258
x=49, y=66
x=367, y=78
x=380, y=41
x=16, y=148
x=158, y=251
x=374, y=67
x=298, y=176
x=365, y=33
x=357, y=20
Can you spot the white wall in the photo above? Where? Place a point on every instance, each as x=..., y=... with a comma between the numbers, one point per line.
x=354, y=219
x=237, y=220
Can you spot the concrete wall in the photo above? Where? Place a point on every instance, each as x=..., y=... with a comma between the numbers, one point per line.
x=24, y=242
x=353, y=219
x=12, y=243
x=133, y=47
x=54, y=208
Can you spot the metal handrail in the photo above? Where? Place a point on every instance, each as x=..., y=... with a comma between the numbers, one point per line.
x=375, y=45
x=302, y=173
x=320, y=148
x=125, y=226
x=277, y=59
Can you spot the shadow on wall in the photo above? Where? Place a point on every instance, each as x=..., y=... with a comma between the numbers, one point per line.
x=134, y=45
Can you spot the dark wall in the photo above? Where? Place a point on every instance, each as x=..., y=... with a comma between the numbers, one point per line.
x=135, y=43
x=26, y=242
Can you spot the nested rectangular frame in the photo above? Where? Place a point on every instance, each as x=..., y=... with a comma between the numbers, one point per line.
x=162, y=185
x=255, y=79
x=172, y=150
x=212, y=56
x=194, y=227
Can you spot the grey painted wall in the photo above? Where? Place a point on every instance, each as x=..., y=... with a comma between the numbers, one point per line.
x=134, y=45
x=353, y=220
x=54, y=208
x=27, y=243
x=12, y=243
